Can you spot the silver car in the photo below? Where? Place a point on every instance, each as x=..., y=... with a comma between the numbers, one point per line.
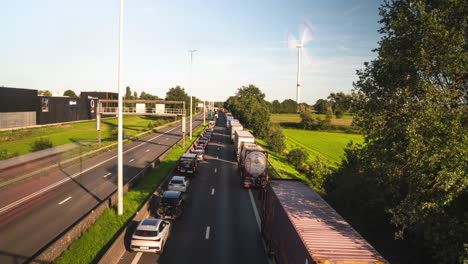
x=150, y=235
x=178, y=183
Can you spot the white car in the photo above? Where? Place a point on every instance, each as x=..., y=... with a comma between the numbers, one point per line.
x=150, y=235
x=200, y=154
x=178, y=183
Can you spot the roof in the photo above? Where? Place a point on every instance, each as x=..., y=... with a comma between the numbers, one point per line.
x=178, y=178
x=149, y=222
x=171, y=194
x=243, y=133
x=189, y=155
x=326, y=235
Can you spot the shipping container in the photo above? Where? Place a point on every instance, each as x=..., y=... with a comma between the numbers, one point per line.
x=299, y=227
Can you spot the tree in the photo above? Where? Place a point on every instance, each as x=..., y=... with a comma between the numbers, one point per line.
x=289, y=106
x=340, y=103
x=297, y=157
x=321, y=106
x=70, y=93
x=307, y=120
x=128, y=93
x=414, y=120
x=250, y=107
x=178, y=94
x=45, y=93
x=275, y=107
x=276, y=138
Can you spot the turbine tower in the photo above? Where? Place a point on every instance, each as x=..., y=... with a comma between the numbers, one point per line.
x=294, y=43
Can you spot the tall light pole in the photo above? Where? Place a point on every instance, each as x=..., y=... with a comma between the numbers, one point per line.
x=120, y=120
x=191, y=84
x=298, y=85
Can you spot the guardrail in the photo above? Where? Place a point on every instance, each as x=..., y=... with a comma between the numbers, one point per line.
x=134, y=110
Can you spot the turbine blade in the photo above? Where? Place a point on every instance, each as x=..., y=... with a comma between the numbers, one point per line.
x=292, y=41
x=306, y=35
x=305, y=57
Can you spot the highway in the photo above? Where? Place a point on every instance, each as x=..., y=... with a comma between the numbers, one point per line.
x=219, y=224
x=34, y=213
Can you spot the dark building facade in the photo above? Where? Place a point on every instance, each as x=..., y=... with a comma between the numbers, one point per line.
x=23, y=107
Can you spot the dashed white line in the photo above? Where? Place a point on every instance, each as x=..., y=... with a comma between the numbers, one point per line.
x=105, y=176
x=216, y=170
x=207, y=234
x=137, y=258
x=131, y=160
x=212, y=191
x=65, y=200
x=147, y=150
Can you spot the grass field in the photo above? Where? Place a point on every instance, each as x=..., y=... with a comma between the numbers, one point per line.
x=329, y=145
x=95, y=241
x=347, y=120
x=19, y=141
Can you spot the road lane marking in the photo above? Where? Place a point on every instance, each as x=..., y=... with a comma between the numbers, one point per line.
x=65, y=200
x=41, y=191
x=147, y=150
x=218, y=148
x=212, y=191
x=216, y=170
x=257, y=217
x=131, y=160
x=207, y=234
x=217, y=157
x=137, y=257
x=105, y=176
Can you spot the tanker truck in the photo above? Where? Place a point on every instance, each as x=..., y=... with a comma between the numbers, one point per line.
x=253, y=165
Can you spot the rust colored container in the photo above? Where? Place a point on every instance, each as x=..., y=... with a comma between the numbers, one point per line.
x=301, y=228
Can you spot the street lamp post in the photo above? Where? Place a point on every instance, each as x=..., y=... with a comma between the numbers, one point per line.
x=191, y=84
x=120, y=121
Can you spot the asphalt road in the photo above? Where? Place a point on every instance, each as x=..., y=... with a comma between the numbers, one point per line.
x=219, y=224
x=34, y=213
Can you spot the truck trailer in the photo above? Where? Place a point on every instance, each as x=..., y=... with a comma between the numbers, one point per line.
x=253, y=165
x=300, y=227
x=235, y=126
x=240, y=137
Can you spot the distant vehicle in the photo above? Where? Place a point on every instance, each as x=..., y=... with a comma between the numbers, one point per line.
x=178, y=183
x=199, y=147
x=212, y=123
x=200, y=153
x=300, y=227
x=210, y=129
x=171, y=205
x=150, y=235
x=240, y=137
x=235, y=126
x=202, y=142
x=253, y=165
x=206, y=137
x=188, y=164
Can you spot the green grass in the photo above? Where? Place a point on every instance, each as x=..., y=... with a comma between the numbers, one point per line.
x=95, y=241
x=314, y=114
x=345, y=121
x=19, y=141
x=329, y=145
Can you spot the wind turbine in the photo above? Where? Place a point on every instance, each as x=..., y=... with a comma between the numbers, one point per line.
x=299, y=45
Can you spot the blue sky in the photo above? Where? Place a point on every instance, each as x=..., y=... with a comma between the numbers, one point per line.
x=72, y=44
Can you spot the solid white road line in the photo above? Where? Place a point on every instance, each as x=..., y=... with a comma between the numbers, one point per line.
x=131, y=160
x=65, y=200
x=41, y=191
x=105, y=176
x=137, y=257
x=212, y=191
x=207, y=234
x=257, y=217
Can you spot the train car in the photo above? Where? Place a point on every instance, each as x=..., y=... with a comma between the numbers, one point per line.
x=300, y=227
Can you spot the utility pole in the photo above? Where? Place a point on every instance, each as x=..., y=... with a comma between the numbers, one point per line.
x=204, y=103
x=191, y=84
x=120, y=120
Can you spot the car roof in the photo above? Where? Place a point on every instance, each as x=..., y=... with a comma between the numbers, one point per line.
x=199, y=150
x=149, y=224
x=171, y=194
x=181, y=178
x=188, y=155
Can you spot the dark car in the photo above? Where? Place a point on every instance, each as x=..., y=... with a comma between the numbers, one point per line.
x=206, y=137
x=171, y=205
x=202, y=142
x=188, y=164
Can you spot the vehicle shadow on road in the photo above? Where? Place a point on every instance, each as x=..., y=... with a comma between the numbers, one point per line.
x=79, y=184
x=129, y=232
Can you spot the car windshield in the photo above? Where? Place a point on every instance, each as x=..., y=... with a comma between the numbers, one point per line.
x=186, y=163
x=177, y=182
x=146, y=233
x=169, y=201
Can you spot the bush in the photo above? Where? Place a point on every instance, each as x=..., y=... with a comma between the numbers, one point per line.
x=40, y=144
x=4, y=154
x=276, y=138
x=297, y=157
x=150, y=126
x=318, y=173
x=339, y=113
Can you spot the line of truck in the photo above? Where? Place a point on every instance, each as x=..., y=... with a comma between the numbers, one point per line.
x=298, y=225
